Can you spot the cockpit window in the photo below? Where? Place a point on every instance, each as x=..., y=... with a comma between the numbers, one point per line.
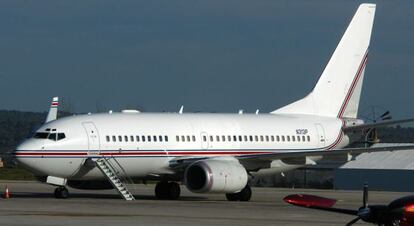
x=40, y=135
x=52, y=136
x=61, y=136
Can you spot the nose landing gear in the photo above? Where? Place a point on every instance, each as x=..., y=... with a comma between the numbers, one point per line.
x=61, y=192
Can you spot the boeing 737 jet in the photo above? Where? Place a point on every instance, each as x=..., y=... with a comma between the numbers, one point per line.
x=208, y=152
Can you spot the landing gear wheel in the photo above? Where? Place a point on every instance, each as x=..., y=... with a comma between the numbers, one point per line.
x=160, y=190
x=173, y=190
x=244, y=195
x=232, y=196
x=61, y=193
x=167, y=190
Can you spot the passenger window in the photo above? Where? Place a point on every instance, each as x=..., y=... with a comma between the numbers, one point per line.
x=229, y=138
x=308, y=138
x=261, y=138
x=211, y=138
x=245, y=138
x=223, y=138
x=240, y=138
x=288, y=138
x=283, y=138
x=303, y=138
x=277, y=138
x=256, y=138
x=218, y=138
x=182, y=138
x=267, y=138
x=155, y=138
x=293, y=138
x=272, y=138
x=234, y=138
x=204, y=138
x=107, y=139
x=137, y=138
x=188, y=138
x=132, y=138
x=143, y=138
x=177, y=138
x=298, y=137
x=166, y=138
x=251, y=138
x=120, y=138
x=126, y=138
x=160, y=138
x=149, y=139
x=114, y=138
x=194, y=139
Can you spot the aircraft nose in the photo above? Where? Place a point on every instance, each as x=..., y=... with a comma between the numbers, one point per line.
x=21, y=151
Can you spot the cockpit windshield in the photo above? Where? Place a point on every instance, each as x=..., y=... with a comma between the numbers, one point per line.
x=49, y=135
x=41, y=135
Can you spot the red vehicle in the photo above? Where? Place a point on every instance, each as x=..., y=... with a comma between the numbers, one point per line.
x=398, y=212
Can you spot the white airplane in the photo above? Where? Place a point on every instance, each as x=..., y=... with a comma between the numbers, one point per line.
x=208, y=152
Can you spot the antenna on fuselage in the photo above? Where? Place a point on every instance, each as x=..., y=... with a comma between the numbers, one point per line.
x=257, y=112
x=240, y=111
x=52, y=115
x=181, y=109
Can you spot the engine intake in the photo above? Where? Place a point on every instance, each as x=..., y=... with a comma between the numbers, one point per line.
x=215, y=176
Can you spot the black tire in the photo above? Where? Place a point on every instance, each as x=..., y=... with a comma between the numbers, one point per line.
x=64, y=193
x=232, y=196
x=61, y=193
x=160, y=190
x=245, y=194
x=173, y=190
x=57, y=193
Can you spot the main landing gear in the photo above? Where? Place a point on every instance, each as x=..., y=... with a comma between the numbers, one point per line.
x=167, y=190
x=244, y=195
x=61, y=192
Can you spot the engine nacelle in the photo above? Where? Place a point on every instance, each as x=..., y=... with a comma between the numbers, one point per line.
x=215, y=176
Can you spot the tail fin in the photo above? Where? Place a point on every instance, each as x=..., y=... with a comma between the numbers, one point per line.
x=52, y=115
x=338, y=90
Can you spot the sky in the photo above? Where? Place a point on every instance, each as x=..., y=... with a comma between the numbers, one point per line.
x=211, y=56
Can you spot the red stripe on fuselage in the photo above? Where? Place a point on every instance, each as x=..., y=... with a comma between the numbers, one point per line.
x=352, y=88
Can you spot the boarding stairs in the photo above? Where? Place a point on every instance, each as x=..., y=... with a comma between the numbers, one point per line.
x=113, y=176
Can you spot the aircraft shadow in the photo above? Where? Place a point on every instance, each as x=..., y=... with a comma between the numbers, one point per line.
x=97, y=196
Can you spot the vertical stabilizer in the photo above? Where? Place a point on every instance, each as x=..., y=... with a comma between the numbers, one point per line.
x=338, y=89
x=52, y=115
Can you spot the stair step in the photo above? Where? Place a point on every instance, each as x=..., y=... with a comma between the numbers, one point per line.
x=112, y=175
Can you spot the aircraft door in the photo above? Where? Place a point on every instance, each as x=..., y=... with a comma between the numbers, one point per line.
x=204, y=140
x=93, y=138
x=321, y=134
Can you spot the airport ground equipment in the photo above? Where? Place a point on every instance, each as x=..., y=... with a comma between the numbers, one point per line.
x=111, y=174
x=398, y=212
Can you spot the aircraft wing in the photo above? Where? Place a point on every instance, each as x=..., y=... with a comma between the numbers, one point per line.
x=299, y=154
x=180, y=163
x=376, y=124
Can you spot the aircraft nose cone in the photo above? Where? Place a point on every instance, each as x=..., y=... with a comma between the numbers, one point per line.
x=22, y=153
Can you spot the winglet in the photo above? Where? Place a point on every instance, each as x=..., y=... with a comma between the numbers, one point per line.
x=52, y=115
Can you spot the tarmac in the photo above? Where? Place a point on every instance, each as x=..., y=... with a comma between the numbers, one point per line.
x=33, y=204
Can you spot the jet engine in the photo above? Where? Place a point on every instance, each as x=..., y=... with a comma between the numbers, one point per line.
x=215, y=176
